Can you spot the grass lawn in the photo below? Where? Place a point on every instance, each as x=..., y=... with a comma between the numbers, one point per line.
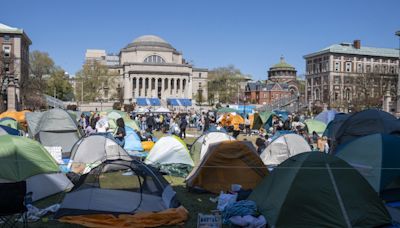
x=194, y=202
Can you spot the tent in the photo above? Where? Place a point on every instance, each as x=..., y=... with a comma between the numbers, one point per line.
x=315, y=125
x=284, y=115
x=262, y=119
x=315, y=189
x=91, y=151
x=10, y=122
x=333, y=127
x=18, y=116
x=162, y=110
x=4, y=130
x=326, y=116
x=200, y=146
x=231, y=119
x=226, y=110
x=367, y=122
x=226, y=163
x=171, y=155
x=132, y=140
x=283, y=147
x=52, y=128
x=376, y=157
x=119, y=187
x=113, y=115
x=24, y=159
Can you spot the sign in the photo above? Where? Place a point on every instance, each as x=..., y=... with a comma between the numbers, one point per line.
x=209, y=221
x=56, y=153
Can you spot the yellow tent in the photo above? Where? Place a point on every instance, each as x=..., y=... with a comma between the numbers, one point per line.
x=231, y=120
x=18, y=116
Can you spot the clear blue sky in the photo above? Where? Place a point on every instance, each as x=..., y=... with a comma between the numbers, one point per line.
x=248, y=34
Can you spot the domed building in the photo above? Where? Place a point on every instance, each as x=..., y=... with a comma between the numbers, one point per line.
x=152, y=68
x=283, y=72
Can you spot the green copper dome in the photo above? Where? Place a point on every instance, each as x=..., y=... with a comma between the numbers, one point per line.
x=282, y=64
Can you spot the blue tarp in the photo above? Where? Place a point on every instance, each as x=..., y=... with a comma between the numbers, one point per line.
x=173, y=102
x=141, y=101
x=148, y=101
x=132, y=140
x=179, y=102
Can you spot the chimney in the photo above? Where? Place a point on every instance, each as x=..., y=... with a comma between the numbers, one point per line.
x=357, y=44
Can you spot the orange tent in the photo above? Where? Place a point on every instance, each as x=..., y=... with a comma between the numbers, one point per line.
x=18, y=116
x=231, y=120
x=226, y=163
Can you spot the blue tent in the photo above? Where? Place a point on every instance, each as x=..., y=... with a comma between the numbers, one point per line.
x=9, y=130
x=283, y=114
x=326, y=116
x=376, y=157
x=214, y=128
x=132, y=140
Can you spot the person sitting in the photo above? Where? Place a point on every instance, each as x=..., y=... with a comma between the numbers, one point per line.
x=120, y=133
x=260, y=143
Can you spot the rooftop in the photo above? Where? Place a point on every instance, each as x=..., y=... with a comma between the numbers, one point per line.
x=348, y=48
x=8, y=29
x=282, y=64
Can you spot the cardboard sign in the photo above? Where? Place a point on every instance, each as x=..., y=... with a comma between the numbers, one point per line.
x=209, y=221
x=56, y=153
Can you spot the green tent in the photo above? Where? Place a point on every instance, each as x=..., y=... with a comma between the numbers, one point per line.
x=113, y=115
x=314, y=189
x=261, y=119
x=10, y=122
x=226, y=110
x=376, y=157
x=21, y=158
x=315, y=125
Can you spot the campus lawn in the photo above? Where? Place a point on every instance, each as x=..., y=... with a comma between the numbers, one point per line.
x=194, y=202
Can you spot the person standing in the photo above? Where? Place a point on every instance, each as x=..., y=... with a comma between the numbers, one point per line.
x=247, y=125
x=183, y=124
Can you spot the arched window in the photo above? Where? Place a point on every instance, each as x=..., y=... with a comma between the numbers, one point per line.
x=154, y=59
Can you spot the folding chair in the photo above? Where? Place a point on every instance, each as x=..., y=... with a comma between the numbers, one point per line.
x=12, y=204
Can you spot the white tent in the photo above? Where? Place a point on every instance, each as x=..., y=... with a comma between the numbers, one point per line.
x=283, y=148
x=162, y=110
x=169, y=150
x=209, y=138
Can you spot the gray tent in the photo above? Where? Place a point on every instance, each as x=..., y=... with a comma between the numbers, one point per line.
x=119, y=187
x=55, y=127
x=91, y=151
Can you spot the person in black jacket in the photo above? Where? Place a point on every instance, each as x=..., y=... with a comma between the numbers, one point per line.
x=121, y=133
x=151, y=122
x=183, y=126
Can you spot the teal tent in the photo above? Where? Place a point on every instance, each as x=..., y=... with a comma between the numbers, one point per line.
x=262, y=119
x=377, y=158
x=315, y=189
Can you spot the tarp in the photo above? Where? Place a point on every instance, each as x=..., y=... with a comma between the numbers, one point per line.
x=132, y=140
x=283, y=147
x=172, y=216
x=227, y=163
x=315, y=125
x=326, y=116
x=91, y=151
x=376, y=157
x=318, y=190
x=226, y=110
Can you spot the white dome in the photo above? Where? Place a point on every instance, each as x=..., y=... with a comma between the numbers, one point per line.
x=149, y=38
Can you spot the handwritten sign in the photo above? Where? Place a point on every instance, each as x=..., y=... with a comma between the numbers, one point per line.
x=56, y=153
x=209, y=221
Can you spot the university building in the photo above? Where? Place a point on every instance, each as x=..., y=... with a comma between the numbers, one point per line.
x=152, y=69
x=14, y=65
x=282, y=83
x=347, y=74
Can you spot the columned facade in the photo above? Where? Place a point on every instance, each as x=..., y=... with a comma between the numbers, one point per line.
x=152, y=68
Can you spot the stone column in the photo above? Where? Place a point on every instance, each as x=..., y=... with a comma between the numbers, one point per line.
x=127, y=89
x=150, y=91
x=163, y=88
x=11, y=101
x=176, y=87
x=155, y=88
x=137, y=87
x=180, y=88
x=189, y=87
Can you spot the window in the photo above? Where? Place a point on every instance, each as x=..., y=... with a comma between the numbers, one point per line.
x=7, y=50
x=348, y=66
x=7, y=68
x=359, y=68
x=368, y=68
x=337, y=66
x=199, y=75
x=6, y=37
x=337, y=79
x=154, y=59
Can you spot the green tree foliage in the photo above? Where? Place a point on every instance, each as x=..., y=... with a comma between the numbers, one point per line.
x=223, y=84
x=59, y=86
x=93, y=78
